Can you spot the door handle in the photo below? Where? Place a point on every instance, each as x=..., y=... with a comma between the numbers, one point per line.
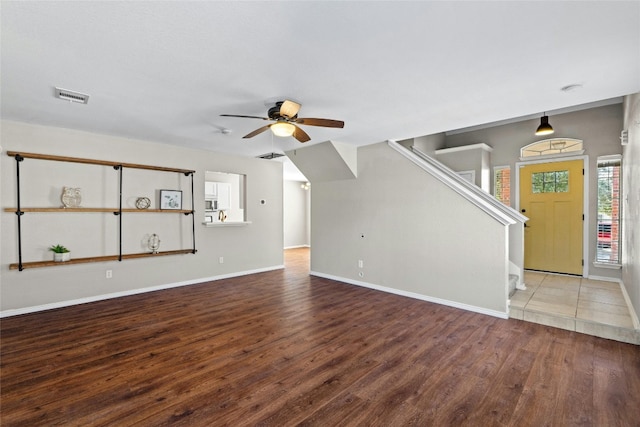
x=523, y=210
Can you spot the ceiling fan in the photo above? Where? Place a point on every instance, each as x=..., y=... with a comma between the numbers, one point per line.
x=285, y=115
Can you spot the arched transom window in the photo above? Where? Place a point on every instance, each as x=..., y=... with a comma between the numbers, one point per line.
x=552, y=147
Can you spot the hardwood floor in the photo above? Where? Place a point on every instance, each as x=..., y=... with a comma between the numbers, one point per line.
x=283, y=348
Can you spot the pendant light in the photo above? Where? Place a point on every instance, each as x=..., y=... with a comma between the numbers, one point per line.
x=544, y=128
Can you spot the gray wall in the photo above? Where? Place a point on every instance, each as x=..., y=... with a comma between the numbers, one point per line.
x=476, y=159
x=631, y=202
x=599, y=128
x=247, y=248
x=412, y=233
x=296, y=215
x=428, y=144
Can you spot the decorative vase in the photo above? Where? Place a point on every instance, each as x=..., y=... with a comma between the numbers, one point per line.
x=222, y=216
x=71, y=197
x=61, y=257
x=153, y=243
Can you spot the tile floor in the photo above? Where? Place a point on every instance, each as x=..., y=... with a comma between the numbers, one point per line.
x=574, y=303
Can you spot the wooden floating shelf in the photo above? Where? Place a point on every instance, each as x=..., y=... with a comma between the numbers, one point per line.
x=113, y=210
x=169, y=211
x=96, y=162
x=70, y=210
x=38, y=264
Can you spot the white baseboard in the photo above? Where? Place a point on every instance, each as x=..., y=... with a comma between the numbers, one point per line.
x=296, y=247
x=60, y=304
x=604, y=279
x=414, y=295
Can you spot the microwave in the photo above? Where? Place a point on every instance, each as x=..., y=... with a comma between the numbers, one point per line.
x=210, y=205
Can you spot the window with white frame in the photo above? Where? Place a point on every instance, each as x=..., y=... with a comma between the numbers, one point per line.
x=552, y=147
x=502, y=184
x=608, y=222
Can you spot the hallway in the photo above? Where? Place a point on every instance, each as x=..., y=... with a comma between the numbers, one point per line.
x=576, y=304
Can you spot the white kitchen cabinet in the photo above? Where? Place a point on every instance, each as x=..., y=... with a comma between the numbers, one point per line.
x=210, y=189
x=224, y=195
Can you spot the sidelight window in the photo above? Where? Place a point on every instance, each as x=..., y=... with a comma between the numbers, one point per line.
x=502, y=184
x=608, y=223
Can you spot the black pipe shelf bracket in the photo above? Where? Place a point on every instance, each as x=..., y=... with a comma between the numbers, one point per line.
x=19, y=212
x=119, y=169
x=193, y=217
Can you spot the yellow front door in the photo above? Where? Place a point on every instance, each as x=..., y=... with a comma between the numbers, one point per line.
x=551, y=195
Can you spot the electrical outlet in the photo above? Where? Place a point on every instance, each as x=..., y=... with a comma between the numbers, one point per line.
x=109, y=274
x=221, y=260
x=360, y=263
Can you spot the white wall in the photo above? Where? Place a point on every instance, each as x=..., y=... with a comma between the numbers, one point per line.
x=631, y=202
x=413, y=234
x=599, y=128
x=296, y=215
x=256, y=246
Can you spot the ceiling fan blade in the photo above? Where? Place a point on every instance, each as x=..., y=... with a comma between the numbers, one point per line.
x=327, y=123
x=244, y=117
x=257, y=131
x=300, y=135
x=289, y=109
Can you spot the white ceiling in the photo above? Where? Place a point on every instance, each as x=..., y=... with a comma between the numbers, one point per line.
x=165, y=71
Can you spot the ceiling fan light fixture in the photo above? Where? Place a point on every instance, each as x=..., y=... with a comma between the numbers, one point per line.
x=285, y=116
x=283, y=129
x=544, y=128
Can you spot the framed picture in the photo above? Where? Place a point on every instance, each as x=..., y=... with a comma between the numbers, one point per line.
x=171, y=199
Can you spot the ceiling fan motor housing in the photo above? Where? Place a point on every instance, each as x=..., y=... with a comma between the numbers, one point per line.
x=274, y=112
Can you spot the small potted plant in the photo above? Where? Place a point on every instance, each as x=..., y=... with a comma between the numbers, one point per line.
x=60, y=253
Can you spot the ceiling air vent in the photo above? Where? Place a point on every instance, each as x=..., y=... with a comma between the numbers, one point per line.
x=72, y=96
x=270, y=156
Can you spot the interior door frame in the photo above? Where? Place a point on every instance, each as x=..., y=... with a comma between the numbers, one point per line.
x=585, y=198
